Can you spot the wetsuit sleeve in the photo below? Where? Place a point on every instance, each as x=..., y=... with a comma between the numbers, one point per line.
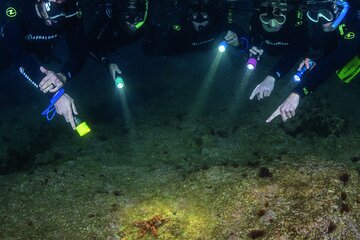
x=228, y=23
x=244, y=39
x=255, y=30
x=97, y=33
x=75, y=37
x=16, y=50
x=326, y=66
x=298, y=47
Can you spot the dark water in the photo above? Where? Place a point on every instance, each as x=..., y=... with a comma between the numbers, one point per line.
x=174, y=117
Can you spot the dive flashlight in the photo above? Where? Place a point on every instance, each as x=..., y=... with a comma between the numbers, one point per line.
x=251, y=63
x=119, y=81
x=299, y=74
x=81, y=127
x=222, y=46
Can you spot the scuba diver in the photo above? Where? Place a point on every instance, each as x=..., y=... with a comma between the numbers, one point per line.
x=118, y=23
x=339, y=22
x=32, y=27
x=277, y=30
x=189, y=27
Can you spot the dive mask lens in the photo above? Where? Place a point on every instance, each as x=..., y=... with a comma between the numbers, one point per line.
x=54, y=11
x=323, y=14
x=266, y=18
x=199, y=17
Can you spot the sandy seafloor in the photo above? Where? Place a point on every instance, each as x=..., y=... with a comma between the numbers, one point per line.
x=189, y=147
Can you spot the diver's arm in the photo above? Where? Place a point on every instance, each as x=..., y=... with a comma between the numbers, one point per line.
x=75, y=36
x=96, y=36
x=46, y=81
x=25, y=64
x=288, y=60
x=335, y=60
x=255, y=30
x=297, y=48
x=95, y=40
x=242, y=39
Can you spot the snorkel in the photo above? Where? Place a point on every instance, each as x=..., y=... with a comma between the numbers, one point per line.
x=135, y=14
x=345, y=8
x=140, y=24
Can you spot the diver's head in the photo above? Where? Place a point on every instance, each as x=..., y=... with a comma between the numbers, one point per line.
x=54, y=11
x=199, y=14
x=133, y=13
x=272, y=19
x=328, y=15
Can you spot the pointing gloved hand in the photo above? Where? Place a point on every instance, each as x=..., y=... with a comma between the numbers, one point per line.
x=287, y=108
x=65, y=107
x=256, y=52
x=264, y=89
x=113, y=68
x=232, y=39
x=52, y=82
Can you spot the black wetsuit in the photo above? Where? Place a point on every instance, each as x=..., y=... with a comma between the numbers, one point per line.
x=171, y=31
x=109, y=31
x=290, y=41
x=25, y=33
x=334, y=57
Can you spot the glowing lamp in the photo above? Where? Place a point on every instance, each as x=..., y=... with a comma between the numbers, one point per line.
x=222, y=46
x=298, y=75
x=119, y=81
x=251, y=63
x=81, y=127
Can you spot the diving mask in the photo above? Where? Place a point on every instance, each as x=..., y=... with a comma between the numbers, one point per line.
x=323, y=15
x=273, y=18
x=56, y=11
x=329, y=14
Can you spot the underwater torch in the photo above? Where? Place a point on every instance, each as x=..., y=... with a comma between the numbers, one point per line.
x=299, y=74
x=119, y=81
x=81, y=127
x=222, y=46
x=251, y=63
